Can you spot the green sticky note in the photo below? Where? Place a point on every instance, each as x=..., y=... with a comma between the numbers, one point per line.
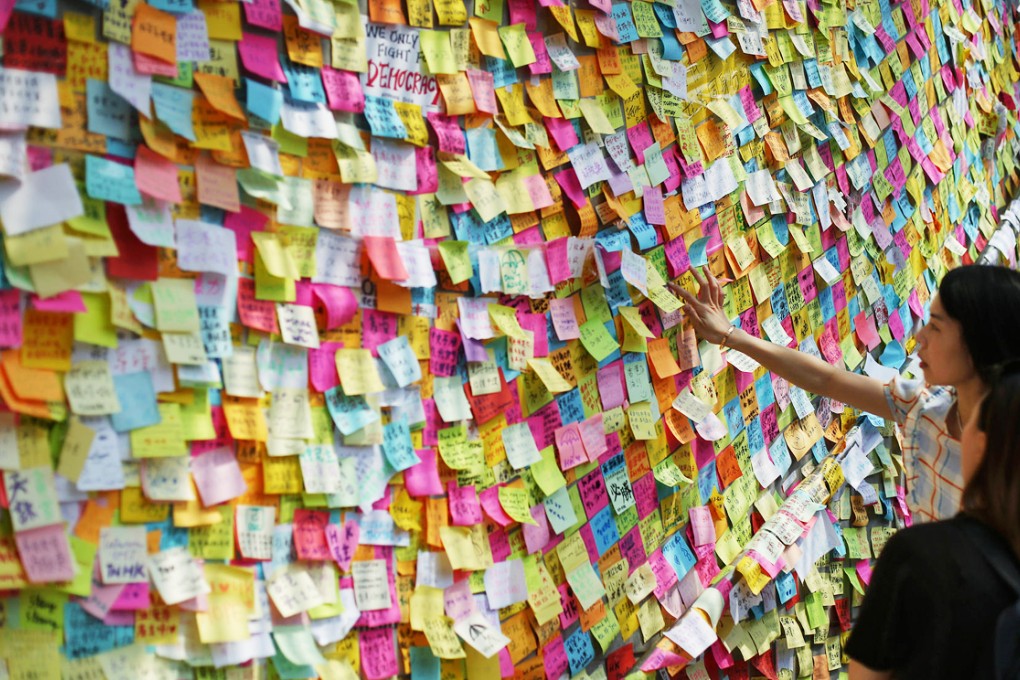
x=517, y=45
x=435, y=45
x=455, y=257
x=94, y=325
x=597, y=340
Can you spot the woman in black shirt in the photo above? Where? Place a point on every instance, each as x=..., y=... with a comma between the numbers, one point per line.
x=931, y=608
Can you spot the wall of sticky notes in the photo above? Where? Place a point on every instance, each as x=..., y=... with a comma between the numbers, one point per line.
x=335, y=338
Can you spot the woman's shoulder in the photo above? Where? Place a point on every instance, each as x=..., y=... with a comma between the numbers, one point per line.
x=923, y=540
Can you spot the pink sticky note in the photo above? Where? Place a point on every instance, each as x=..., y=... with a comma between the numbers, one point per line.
x=264, y=13
x=640, y=138
x=343, y=542
x=156, y=176
x=340, y=304
x=554, y=658
x=538, y=190
x=151, y=66
x=563, y=133
x=610, y=381
x=567, y=179
x=536, y=536
x=377, y=328
x=10, y=318
x=322, y=366
x=536, y=323
x=378, y=653
x=559, y=270
x=482, y=87
x=465, y=509
x=422, y=479
x=69, y=301
x=570, y=447
x=303, y=294
x=6, y=9
x=448, y=132
x=259, y=55
x=655, y=211
x=492, y=507
x=218, y=476
x=542, y=64
x=45, y=554
x=594, y=436
x=864, y=571
x=243, y=224
x=343, y=90
x=384, y=257
x=133, y=597
x=428, y=172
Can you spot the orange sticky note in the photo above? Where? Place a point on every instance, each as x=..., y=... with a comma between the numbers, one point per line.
x=156, y=176
x=154, y=33
x=303, y=47
x=217, y=184
x=385, y=258
x=661, y=358
x=31, y=383
x=219, y=90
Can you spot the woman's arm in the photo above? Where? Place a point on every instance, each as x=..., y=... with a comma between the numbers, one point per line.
x=807, y=372
x=859, y=671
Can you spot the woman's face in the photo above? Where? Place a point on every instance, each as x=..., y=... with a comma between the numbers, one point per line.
x=973, y=444
x=944, y=356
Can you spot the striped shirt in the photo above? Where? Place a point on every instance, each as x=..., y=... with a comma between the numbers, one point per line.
x=931, y=456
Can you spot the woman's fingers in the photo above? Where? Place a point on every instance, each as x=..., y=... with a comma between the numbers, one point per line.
x=698, y=277
x=717, y=294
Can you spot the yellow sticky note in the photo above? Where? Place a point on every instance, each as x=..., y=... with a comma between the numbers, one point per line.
x=176, y=305
x=163, y=440
x=455, y=257
x=514, y=502
x=517, y=45
x=358, y=373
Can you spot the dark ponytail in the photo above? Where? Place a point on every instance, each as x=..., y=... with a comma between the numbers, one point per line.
x=985, y=300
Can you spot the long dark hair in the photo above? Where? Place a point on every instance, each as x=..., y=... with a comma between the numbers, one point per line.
x=993, y=493
x=985, y=299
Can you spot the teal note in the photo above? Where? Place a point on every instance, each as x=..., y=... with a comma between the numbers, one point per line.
x=111, y=181
x=173, y=107
x=137, y=402
x=264, y=101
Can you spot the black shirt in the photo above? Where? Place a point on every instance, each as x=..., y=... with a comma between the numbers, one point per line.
x=931, y=607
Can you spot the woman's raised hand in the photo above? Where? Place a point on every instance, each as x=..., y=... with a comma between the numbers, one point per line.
x=706, y=309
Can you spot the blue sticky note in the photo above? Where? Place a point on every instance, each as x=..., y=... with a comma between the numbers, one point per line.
x=624, y=22
x=679, y=554
x=288, y=670
x=603, y=528
x=264, y=101
x=86, y=635
x=383, y=119
x=893, y=355
x=579, y=650
x=110, y=181
x=305, y=82
x=482, y=149
x=44, y=8
x=137, y=399
x=173, y=107
x=349, y=413
x=786, y=586
x=398, y=447
x=697, y=254
x=108, y=113
x=424, y=665
x=173, y=6
x=115, y=147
